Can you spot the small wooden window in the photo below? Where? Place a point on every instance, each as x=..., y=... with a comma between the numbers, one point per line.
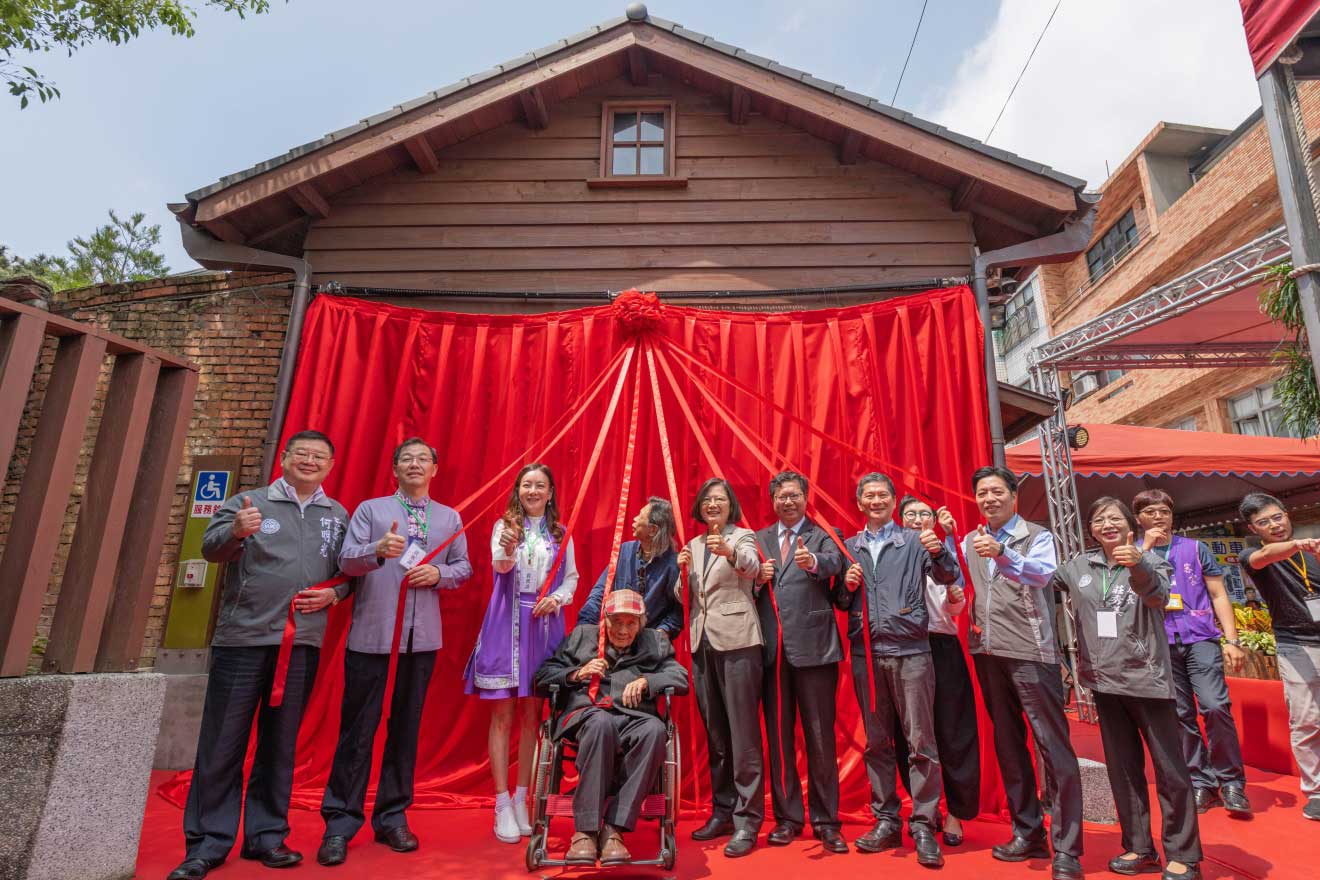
x=637, y=144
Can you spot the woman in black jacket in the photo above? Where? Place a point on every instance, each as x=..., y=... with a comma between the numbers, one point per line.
x=1118, y=593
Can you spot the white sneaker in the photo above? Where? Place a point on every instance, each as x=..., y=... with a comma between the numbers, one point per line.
x=520, y=816
x=506, y=826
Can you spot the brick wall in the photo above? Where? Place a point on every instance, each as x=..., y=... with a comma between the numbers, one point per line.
x=232, y=326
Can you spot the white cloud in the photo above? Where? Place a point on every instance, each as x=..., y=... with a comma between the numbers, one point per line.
x=1106, y=72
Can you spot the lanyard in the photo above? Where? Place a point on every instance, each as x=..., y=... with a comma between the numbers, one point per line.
x=421, y=524
x=1301, y=569
x=1105, y=584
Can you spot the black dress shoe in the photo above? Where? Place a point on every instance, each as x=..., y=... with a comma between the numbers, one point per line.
x=713, y=828
x=1206, y=799
x=333, y=851
x=831, y=840
x=740, y=844
x=783, y=834
x=1019, y=849
x=1144, y=863
x=399, y=839
x=928, y=851
x=1235, y=801
x=194, y=869
x=279, y=857
x=952, y=838
x=887, y=834
x=1066, y=867
x=1193, y=872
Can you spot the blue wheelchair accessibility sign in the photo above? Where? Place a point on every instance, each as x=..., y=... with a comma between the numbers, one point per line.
x=209, y=491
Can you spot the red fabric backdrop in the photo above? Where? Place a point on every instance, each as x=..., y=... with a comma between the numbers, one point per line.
x=902, y=380
x=1271, y=25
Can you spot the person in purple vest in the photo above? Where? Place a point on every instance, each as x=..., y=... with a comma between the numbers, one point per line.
x=521, y=629
x=1197, y=600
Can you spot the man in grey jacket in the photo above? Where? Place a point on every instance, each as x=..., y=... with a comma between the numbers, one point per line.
x=384, y=558
x=276, y=541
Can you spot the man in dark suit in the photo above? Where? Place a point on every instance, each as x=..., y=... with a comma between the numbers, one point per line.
x=801, y=562
x=618, y=731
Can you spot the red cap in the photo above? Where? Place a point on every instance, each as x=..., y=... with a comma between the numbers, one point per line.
x=624, y=602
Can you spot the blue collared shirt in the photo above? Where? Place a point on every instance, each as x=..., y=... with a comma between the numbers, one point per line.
x=1032, y=570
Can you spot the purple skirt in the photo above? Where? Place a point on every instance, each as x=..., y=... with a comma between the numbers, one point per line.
x=538, y=637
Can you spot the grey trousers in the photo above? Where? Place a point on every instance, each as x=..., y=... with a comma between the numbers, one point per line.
x=728, y=685
x=614, y=746
x=1018, y=693
x=807, y=691
x=1299, y=667
x=1125, y=722
x=1198, y=684
x=904, y=690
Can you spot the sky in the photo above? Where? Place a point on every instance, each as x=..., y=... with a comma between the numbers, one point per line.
x=142, y=124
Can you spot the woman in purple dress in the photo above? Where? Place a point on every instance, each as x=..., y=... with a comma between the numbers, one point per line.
x=519, y=632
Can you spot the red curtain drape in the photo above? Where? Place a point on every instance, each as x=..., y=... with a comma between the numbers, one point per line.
x=902, y=380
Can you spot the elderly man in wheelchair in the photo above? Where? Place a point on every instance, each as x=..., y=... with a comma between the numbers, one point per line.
x=607, y=705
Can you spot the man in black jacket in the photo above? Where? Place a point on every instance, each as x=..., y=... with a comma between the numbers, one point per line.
x=800, y=564
x=609, y=708
x=887, y=587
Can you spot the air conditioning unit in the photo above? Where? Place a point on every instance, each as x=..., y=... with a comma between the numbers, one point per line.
x=1084, y=384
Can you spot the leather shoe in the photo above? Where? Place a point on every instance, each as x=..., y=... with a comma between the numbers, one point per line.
x=1066, y=867
x=582, y=849
x=612, y=850
x=1193, y=872
x=928, y=851
x=1019, y=849
x=400, y=839
x=783, y=834
x=713, y=828
x=279, y=857
x=333, y=851
x=952, y=839
x=1144, y=863
x=886, y=834
x=831, y=840
x=1206, y=799
x=740, y=844
x=1235, y=802
x=194, y=869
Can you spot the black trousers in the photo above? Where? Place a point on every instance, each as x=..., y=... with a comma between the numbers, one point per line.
x=956, y=738
x=237, y=688
x=807, y=691
x=614, y=745
x=728, y=685
x=1125, y=722
x=1198, y=683
x=364, y=697
x=1013, y=689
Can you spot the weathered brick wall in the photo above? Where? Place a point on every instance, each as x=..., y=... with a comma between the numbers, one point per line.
x=232, y=326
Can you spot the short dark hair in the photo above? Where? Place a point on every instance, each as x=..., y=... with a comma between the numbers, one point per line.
x=1256, y=502
x=906, y=502
x=1104, y=501
x=415, y=441
x=735, y=509
x=309, y=435
x=994, y=470
x=875, y=477
x=1150, y=498
x=783, y=477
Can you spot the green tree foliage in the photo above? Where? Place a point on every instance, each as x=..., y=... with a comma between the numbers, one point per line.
x=32, y=26
x=121, y=250
x=1296, y=388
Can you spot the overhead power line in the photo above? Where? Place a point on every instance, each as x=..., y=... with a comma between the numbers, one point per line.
x=1023, y=71
x=909, y=54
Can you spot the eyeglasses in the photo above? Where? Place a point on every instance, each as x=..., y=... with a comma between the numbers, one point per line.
x=416, y=459
x=1277, y=519
x=789, y=497
x=1109, y=521
x=305, y=455
x=715, y=502
x=918, y=514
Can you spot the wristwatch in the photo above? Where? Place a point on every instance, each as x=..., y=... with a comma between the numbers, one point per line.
x=1237, y=643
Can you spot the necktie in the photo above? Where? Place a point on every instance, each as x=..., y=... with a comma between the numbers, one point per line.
x=785, y=556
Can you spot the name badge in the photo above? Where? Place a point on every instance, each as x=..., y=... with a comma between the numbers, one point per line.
x=1313, y=606
x=1106, y=624
x=1175, y=603
x=413, y=555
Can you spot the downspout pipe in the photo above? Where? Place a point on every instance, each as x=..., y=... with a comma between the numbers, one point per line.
x=1056, y=248
x=207, y=250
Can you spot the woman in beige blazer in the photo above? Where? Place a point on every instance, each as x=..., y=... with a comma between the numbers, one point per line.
x=727, y=667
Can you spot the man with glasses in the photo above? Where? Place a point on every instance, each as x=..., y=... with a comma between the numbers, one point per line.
x=800, y=564
x=1197, y=599
x=276, y=542
x=384, y=559
x=1286, y=571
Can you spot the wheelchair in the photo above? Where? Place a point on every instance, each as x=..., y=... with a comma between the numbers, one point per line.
x=548, y=802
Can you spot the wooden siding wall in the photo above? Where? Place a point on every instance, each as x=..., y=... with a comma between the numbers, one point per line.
x=766, y=206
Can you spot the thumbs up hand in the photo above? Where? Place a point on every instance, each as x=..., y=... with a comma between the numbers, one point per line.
x=509, y=538
x=766, y=573
x=1128, y=553
x=248, y=519
x=804, y=558
x=391, y=544
x=853, y=578
x=930, y=541
x=986, y=546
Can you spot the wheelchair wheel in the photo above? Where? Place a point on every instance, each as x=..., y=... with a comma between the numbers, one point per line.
x=668, y=846
x=535, y=850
